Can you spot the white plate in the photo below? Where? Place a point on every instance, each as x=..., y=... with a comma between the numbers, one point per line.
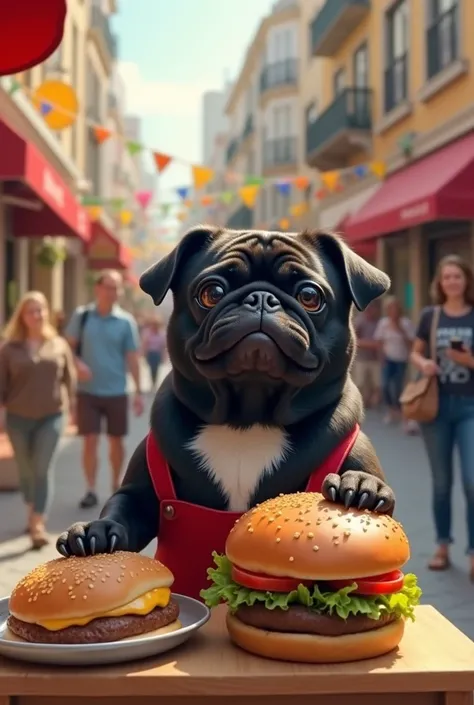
x=192, y=615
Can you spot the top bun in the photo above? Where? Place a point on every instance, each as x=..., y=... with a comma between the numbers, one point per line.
x=80, y=587
x=304, y=536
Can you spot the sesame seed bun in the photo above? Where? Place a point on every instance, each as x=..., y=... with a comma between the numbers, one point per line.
x=304, y=536
x=79, y=587
x=311, y=648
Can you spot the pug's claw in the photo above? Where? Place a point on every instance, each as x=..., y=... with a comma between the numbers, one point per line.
x=363, y=500
x=348, y=498
x=80, y=545
x=332, y=493
x=113, y=542
x=92, y=544
x=63, y=550
x=379, y=505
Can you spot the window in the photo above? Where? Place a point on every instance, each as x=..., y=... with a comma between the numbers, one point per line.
x=361, y=67
x=339, y=82
x=442, y=37
x=396, y=62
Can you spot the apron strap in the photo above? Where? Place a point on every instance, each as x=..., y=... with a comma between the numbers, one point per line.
x=334, y=461
x=159, y=470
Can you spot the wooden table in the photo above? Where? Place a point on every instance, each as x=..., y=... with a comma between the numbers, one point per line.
x=434, y=666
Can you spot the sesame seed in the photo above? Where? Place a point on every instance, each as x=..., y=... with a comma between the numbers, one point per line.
x=277, y=540
x=310, y=535
x=315, y=548
x=250, y=530
x=296, y=535
x=291, y=559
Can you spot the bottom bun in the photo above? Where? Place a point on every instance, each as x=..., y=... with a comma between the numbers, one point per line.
x=311, y=648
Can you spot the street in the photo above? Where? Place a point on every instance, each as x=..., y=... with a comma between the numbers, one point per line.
x=406, y=468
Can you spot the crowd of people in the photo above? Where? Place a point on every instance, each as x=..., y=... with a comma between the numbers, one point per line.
x=81, y=373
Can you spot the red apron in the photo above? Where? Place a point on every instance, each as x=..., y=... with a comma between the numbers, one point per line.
x=189, y=533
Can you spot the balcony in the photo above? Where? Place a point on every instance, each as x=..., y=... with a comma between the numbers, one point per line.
x=100, y=31
x=248, y=128
x=343, y=129
x=232, y=150
x=336, y=20
x=279, y=75
x=242, y=219
x=280, y=152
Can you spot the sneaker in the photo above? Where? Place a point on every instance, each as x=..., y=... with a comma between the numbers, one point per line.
x=89, y=500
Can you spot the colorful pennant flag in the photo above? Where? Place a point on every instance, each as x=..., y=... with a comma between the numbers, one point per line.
x=117, y=203
x=101, y=134
x=254, y=181
x=14, y=86
x=91, y=201
x=361, y=170
x=94, y=212
x=298, y=209
x=182, y=216
x=45, y=108
x=321, y=193
x=248, y=195
x=165, y=209
x=227, y=197
x=284, y=223
x=207, y=201
x=143, y=198
x=161, y=161
x=126, y=217
x=134, y=148
x=379, y=169
x=183, y=192
x=187, y=203
x=301, y=182
x=201, y=176
x=330, y=179
x=284, y=187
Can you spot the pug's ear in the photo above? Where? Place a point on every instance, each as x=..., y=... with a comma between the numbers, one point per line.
x=365, y=282
x=158, y=279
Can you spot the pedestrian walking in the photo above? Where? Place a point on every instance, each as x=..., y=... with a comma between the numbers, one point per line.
x=154, y=347
x=395, y=334
x=104, y=338
x=367, y=369
x=453, y=295
x=37, y=389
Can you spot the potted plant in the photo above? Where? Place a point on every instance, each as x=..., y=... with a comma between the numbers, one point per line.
x=49, y=253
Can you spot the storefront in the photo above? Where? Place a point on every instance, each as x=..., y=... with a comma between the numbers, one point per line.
x=104, y=251
x=420, y=213
x=35, y=203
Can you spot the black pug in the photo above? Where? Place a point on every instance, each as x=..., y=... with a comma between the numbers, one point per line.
x=259, y=401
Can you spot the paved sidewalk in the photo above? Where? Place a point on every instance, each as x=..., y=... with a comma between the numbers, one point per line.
x=406, y=468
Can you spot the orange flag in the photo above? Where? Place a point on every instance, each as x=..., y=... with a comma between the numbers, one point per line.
x=207, y=200
x=101, y=134
x=201, y=176
x=161, y=161
x=301, y=182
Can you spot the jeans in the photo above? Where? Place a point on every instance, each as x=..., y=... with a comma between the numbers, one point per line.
x=453, y=427
x=34, y=443
x=153, y=359
x=393, y=378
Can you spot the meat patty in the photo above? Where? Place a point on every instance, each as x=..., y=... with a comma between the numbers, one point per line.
x=302, y=620
x=100, y=630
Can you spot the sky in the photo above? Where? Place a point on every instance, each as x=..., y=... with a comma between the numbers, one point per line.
x=171, y=52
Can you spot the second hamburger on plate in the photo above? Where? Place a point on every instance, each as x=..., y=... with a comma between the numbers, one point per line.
x=101, y=598
x=308, y=580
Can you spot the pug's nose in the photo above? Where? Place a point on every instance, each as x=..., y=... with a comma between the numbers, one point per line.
x=261, y=301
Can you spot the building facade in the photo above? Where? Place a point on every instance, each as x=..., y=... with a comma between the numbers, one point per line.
x=397, y=88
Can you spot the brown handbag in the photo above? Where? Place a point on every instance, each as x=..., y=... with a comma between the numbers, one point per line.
x=420, y=399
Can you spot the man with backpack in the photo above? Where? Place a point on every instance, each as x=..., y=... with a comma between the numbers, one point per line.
x=105, y=340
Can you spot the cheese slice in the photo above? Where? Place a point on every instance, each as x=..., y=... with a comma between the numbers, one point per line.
x=142, y=605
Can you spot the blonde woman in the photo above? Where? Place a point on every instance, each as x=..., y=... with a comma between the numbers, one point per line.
x=37, y=384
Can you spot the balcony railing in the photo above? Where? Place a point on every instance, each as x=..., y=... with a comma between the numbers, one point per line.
x=100, y=22
x=351, y=110
x=248, y=128
x=334, y=22
x=442, y=41
x=231, y=150
x=279, y=152
x=281, y=73
x=242, y=219
x=396, y=83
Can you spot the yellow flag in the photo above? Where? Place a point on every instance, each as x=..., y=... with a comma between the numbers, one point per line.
x=187, y=203
x=330, y=179
x=182, y=216
x=298, y=209
x=201, y=176
x=379, y=169
x=248, y=195
x=284, y=223
x=126, y=217
x=94, y=212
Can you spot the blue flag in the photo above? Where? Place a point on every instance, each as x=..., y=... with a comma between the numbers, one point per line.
x=183, y=192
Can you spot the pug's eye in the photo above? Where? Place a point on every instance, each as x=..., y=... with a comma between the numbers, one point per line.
x=210, y=295
x=311, y=298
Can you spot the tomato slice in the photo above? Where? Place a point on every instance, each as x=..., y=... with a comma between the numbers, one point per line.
x=385, y=584
x=257, y=581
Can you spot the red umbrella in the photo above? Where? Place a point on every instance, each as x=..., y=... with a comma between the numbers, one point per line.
x=31, y=31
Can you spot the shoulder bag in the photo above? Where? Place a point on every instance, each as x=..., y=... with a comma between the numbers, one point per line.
x=420, y=399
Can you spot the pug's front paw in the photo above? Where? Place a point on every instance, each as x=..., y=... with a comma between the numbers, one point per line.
x=359, y=489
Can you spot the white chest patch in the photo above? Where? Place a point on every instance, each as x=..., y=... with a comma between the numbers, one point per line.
x=237, y=459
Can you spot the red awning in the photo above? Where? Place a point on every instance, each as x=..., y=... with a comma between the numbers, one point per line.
x=437, y=187
x=367, y=249
x=105, y=251
x=26, y=174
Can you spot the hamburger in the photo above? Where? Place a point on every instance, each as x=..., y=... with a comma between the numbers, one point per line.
x=308, y=580
x=101, y=598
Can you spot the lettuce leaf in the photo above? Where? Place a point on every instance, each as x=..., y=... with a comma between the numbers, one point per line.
x=342, y=602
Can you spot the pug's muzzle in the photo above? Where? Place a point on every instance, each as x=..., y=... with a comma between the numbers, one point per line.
x=261, y=332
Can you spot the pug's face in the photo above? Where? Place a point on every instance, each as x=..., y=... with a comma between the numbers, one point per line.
x=260, y=316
